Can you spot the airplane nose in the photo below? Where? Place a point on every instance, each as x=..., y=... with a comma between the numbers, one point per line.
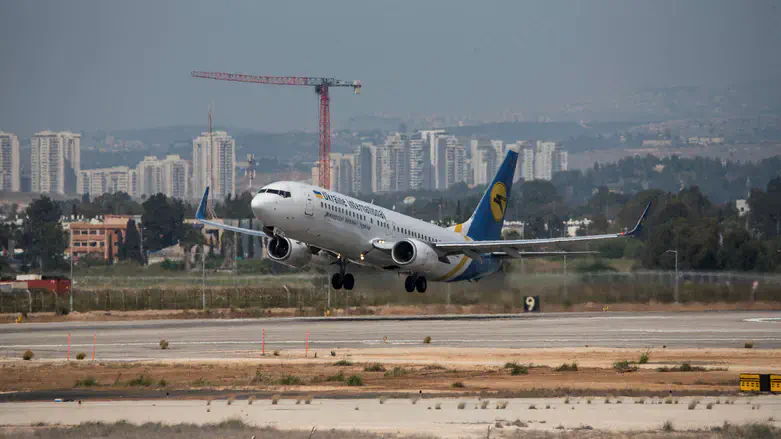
x=257, y=203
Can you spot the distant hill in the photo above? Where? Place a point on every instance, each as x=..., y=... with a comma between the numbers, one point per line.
x=748, y=99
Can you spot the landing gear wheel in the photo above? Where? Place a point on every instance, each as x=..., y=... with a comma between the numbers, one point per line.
x=421, y=284
x=409, y=284
x=348, y=281
x=337, y=281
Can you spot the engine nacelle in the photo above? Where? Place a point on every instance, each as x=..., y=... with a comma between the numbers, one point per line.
x=413, y=254
x=291, y=253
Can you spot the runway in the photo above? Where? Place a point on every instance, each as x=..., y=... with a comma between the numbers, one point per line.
x=226, y=339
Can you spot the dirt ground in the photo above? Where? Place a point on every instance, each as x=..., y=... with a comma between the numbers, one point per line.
x=408, y=371
x=388, y=310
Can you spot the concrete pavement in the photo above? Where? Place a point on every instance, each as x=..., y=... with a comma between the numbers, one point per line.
x=224, y=339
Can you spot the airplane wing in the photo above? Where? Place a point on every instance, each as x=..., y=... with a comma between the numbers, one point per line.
x=511, y=248
x=200, y=216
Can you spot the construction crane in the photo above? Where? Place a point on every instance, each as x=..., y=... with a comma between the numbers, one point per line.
x=321, y=86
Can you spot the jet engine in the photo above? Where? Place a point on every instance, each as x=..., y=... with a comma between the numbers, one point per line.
x=287, y=252
x=413, y=254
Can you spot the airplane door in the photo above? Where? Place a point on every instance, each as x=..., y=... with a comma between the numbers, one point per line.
x=393, y=229
x=310, y=205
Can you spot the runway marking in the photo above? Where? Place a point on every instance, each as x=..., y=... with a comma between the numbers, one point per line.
x=763, y=320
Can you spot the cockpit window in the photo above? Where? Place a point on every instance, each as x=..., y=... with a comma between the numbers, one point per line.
x=283, y=194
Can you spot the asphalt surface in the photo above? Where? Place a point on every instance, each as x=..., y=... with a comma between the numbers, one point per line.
x=225, y=339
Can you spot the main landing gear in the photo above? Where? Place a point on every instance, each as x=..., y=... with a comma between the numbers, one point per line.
x=414, y=282
x=342, y=279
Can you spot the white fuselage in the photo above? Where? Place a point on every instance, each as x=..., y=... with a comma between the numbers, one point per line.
x=347, y=226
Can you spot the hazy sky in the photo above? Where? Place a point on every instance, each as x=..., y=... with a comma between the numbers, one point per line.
x=108, y=64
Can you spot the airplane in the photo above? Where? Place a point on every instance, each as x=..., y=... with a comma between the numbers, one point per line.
x=307, y=224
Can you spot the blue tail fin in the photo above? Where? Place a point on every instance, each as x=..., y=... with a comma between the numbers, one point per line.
x=486, y=221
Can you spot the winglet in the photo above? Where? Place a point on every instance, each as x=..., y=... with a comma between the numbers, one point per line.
x=639, y=226
x=200, y=214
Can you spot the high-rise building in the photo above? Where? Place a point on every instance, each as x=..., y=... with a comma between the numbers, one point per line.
x=10, y=180
x=56, y=162
x=560, y=161
x=543, y=160
x=455, y=164
x=363, y=173
x=383, y=171
x=97, y=182
x=342, y=172
x=439, y=158
x=526, y=157
x=419, y=165
x=170, y=176
x=398, y=144
x=214, y=164
x=484, y=165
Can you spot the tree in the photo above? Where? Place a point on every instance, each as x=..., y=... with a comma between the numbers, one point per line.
x=163, y=220
x=43, y=239
x=130, y=249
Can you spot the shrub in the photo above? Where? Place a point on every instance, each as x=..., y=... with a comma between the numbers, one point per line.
x=376, y=367
x=644, y=357
x=81, y=356
x=461, y=405
x=532, y=407
x=438, y=406
x=276, y=353
x=338, y=377
x=668, y=426
x=684, y=367
x=624, y=366
x=383, y=399
x=709, y=406
x=519, y=370
x=396, y=372
x=163, y=344
x=290, y=380
x=162, y=383
x=308, y=399
x=457, y=385
x=250, y=400
x=501, y=405
x=86, y=382
x=566, y=400
x=28, y=355
x=343, y=363
x=275, y=399
x=427, y=340
x=484, y=404
x=333, y=353
x=693, y=404
x=567, y=367
x=355, y=380
x=748, y=345
x=230, y=400
x=140, y=381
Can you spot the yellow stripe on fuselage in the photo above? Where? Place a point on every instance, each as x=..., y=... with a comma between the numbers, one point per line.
x=461, y=263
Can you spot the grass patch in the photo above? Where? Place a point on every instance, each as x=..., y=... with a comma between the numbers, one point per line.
x=668, y=427
x=81, y=356
x=644, y=357
x=693, y=404
x=276, y=353
x=376, y=367
x=200, y=382
x=251, y=399
x=457, y=385
x=427, y=340
x=163, y=344
x=624, y=366
x=484, y=404
x=275, y=399
x=343, y=363
x=86, y=382
x=461, y=405
x=140, y=381
x=290, y=380
x=567, y=367
x=748, y=345
x=396, y=372
x=334, y=378
x=355, y=380
x=28, y=355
